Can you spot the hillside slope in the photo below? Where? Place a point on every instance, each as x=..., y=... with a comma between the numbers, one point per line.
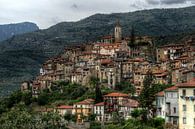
x=22, y=55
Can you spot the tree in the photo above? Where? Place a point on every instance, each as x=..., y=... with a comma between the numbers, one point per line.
x=69, y=117
x=157, y=123
x=43, y=99
x=132, y=35
x=136, y=113
x=147, y=95
x=125, y=87
x=92, y=117
x=94, y=82
x=27, y=98
x=98, y=94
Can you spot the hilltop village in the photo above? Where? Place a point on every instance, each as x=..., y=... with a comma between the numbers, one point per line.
x=116, y=59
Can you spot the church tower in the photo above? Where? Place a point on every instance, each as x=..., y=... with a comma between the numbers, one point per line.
x=117, y=32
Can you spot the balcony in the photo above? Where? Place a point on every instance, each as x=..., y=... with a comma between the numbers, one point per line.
x=188, y=98
x=168, y=113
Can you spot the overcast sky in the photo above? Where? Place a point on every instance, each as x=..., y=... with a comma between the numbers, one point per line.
x=46, y=13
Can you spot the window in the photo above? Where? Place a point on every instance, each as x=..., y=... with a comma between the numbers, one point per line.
x=194, y=121
x=184, y=92
x=184, y=120
x=194, y=108
x=167, y=95
x=174, y=109
x=184, y=107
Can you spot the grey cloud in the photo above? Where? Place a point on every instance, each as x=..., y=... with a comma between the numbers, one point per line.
x=153, y=2
x=74, y=6
x=135, y=6
x=173, y=1
x=167, y=2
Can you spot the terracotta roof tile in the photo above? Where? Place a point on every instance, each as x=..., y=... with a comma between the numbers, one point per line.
x=106, y=61
x=99, y=104
x=161, y=74
x=65, y=107
x=107, y=37
x=160, y=93
x=131, y=103
x=86, y=102
x=115, y=94
x=190, y=83
x=173, y=88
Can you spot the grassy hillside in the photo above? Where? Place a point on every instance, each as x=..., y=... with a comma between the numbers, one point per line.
x=21, y=56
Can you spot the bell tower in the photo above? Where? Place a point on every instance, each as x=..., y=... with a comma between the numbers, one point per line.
x=117, y=32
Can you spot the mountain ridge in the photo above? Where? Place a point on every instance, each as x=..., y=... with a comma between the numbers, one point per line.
x=13, y=29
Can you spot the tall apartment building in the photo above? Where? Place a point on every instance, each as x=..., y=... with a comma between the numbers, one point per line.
x=187, y=104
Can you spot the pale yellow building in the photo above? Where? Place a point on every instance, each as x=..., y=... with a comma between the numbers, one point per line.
x=83, y=109
x=187, y=105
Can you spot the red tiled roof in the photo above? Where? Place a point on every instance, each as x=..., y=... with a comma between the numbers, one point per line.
x=89, y=53
x=171, y=88
x=65, y=107
x=190, y=83
x=86, y=102
x=99, y=104
x=106, y=61
x=161, y=74
x=115, y=94
x=159, y=71
x=131, y=103
x=108, y=44
x=160, y=93
x=107, y=37
x=182, y=58
x=172, y=45
x=138, y=59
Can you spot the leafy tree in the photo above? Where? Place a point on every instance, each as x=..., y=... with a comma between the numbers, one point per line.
x=70, y=117
x=77, y=92
x=43, y=99
x=98, y=94
x=92, y=117
x=116, y=118
x=147, y=95
x=136, y=113
x=125, y=87
x=112, y=126
x=95, y=125
x=157, y=122
x=132, y=35
x=136, y=124
x=27, y=98
x=67, y=116
x=94, y=82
